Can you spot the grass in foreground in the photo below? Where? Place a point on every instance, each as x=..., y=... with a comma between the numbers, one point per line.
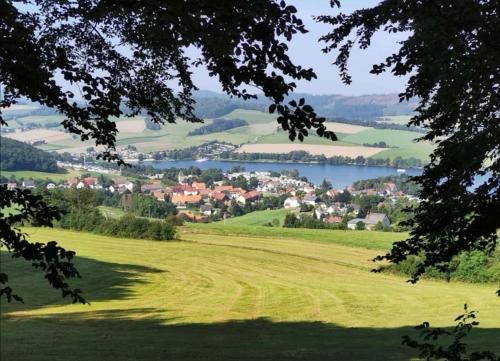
x=216, y=297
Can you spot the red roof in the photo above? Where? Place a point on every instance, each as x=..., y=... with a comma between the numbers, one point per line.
x=89, y=181
x=250, y=195
x=334, y=219
x=186, y=199
x=219, y=196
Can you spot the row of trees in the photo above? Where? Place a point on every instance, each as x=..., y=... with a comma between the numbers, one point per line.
x=402, y=182
x=80, y=212
x=218, y=125
x=306, y=157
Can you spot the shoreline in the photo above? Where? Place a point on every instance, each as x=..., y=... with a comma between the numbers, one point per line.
x=271, y=161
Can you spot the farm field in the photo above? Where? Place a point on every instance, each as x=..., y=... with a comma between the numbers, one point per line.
x=419, y=150
x=397, y=138
x=28, y=174
x=260, y=135
x=231, y=297
x=327, y=150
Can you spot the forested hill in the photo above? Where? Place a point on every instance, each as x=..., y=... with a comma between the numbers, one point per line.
x=17, y=155
x=364, y=107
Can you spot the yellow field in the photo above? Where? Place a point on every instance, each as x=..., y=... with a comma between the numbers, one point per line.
x=327, y=150
x=345, y=128
x=50, y=136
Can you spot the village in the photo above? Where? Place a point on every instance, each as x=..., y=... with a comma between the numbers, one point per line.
x=197, y=201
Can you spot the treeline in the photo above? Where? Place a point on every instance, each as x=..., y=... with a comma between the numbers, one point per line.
x=80, y=212
x=218, y=125
x=21, y=156
x=402, y=182
x=306, y=157
x=379, y=125
x=311, y=222
x=128, y=226
x=474, y=266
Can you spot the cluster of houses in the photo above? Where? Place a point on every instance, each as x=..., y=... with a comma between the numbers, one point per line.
x=194, y=193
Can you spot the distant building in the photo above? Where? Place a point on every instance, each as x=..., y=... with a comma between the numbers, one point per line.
x=310, y=199
x=28, y=184
x=333, y=219
x=291, y=202
x=373, y=218
x=370, y=221
x=206, y=209
x=353, y=223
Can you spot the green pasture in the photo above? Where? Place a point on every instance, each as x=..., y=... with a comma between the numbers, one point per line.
x=28, y=174
x=398, y=138
x=419, y=150
x=214, y=296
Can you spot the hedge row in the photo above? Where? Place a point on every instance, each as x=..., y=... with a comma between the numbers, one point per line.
x=128, y=226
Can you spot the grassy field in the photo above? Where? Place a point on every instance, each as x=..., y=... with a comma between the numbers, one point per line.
x=420, y=151
x=258, y=218
x=210, y=296
x=28, y=174
x=398, y=138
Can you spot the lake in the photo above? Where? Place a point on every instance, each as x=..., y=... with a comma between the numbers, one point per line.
x=339, y=175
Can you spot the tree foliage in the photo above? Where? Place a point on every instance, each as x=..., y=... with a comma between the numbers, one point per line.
x=433, y=348
x=451, y=57
x=17, y=155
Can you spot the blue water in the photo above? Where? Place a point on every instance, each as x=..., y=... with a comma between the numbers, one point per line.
x=339, y=175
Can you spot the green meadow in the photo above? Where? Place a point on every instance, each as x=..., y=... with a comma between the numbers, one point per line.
x=234, y=291
x=29, y=174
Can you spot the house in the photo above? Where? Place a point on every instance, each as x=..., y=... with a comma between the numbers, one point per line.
x=247, y=197
x=320, y=213
x=333, y=192
x=90, y=182
x=370, y=221
x=159, y=195
x=181, y=178
x=155, y=186
x=51, y=186
x=333, y=219
x=219, y=196
x=72, y=182
x=11, y=185
x=310, y=199
x=181, y=200
x=390, y=188
x=28, y=184
x=206, y=209
x=199, y=185
x=223, y=188
x=80, y=185
x=291, y=202
x=188, y=190
x=308, y=189
x=374, y=218
x=352, y=224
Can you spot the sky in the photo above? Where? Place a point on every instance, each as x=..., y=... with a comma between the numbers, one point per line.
x=306, y=51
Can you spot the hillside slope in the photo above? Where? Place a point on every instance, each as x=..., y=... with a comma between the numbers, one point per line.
x=213, y=297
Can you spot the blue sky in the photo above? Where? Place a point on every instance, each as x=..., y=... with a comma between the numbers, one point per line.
x=306, y=50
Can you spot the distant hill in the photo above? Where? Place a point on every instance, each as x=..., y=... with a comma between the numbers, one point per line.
x=364, y=107
x=215, y=105
x=21, y=156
